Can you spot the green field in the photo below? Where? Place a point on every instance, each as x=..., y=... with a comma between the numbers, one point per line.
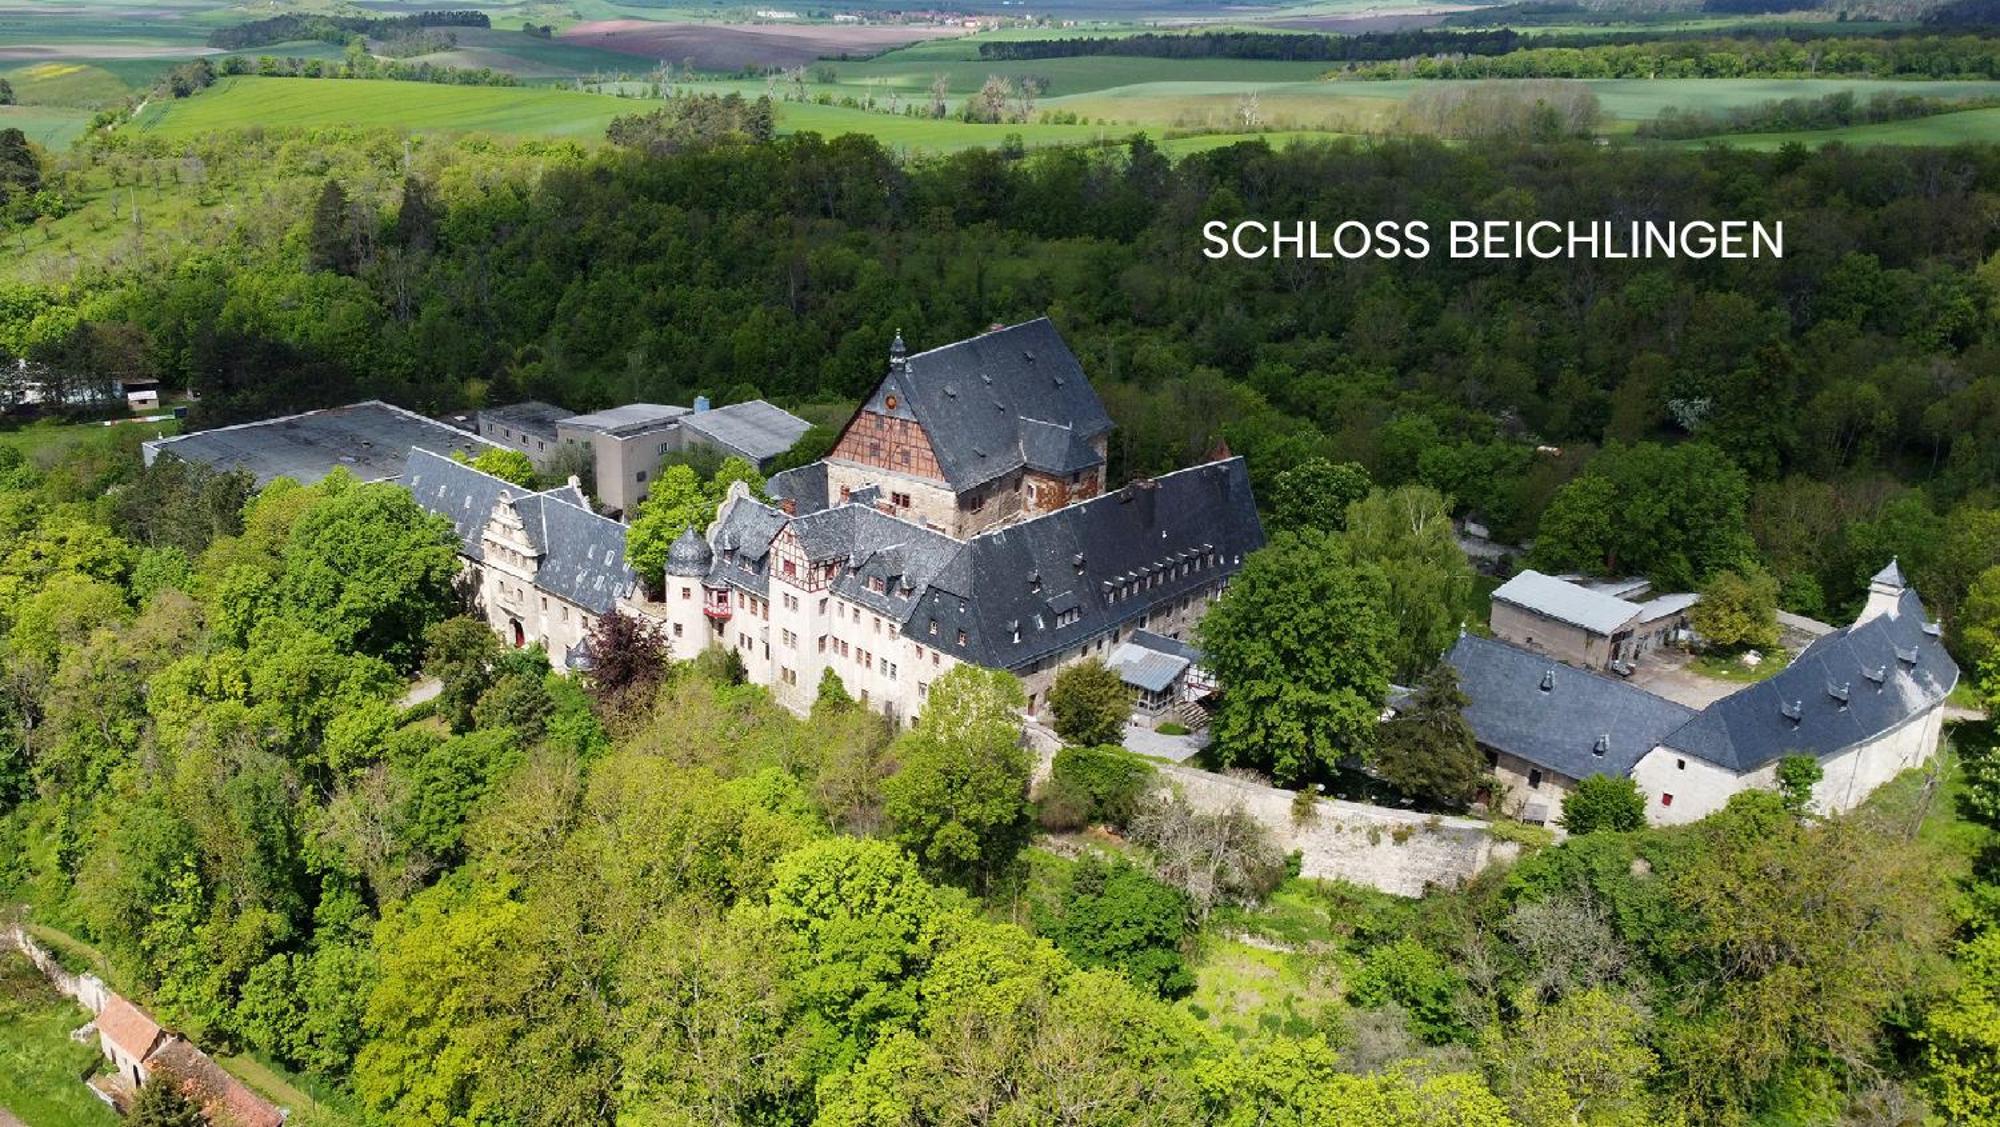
x=1943, y=129
x=244, y=102
x=52, y=127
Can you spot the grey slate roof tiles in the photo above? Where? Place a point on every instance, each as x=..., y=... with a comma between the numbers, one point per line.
x=1109, y=560
x=1552, y=715
x=1851, y=686
x=976, y=397
x=1750, y=727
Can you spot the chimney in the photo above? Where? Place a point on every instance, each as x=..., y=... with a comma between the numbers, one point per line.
x=790, y=505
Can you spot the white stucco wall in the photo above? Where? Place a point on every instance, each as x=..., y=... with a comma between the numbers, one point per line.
x=1700, y=788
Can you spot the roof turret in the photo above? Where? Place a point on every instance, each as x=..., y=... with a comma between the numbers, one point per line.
x=690, y=555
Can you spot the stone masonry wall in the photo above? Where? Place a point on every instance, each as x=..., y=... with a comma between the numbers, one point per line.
x=1397, y=851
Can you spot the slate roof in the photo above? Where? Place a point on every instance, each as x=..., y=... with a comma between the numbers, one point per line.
x=804, y=487
x=997, y=402
x=1026, y=575
x=462, y=495
x=1019, y=578
x=1558, y=727
x=1890, y=668
x=1166, y=645
x=1892, y=575
x=583, y=554
x=1566, y=602
x=741, y=539
x=370, y=439
x=131, y=1029
x=755, y=429
x=689, y=554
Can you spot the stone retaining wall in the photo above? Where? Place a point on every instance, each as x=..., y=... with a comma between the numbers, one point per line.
x=1397, y=851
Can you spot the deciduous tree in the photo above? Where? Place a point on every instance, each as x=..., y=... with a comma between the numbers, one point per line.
x=1300, y=644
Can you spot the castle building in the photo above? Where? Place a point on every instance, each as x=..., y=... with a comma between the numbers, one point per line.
x=972, y=435
x=962, y=517
x=539, y=567
x=1866, y=701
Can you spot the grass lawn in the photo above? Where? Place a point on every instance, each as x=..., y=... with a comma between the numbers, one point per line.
x=310, y=1105
x=1728, y=667
x=44, y=440
x=1247, y=993
x=41, y=1069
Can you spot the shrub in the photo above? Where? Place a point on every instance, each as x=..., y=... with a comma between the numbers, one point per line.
x=1115, y=915
x=1602, y=802
x=1108, y=781
x=1408, y=974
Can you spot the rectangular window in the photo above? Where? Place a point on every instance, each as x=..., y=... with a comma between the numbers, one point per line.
x=677, y=629
x=1534, y=778
x=791, y=640
x=687, y=592
x=640, y=477
x=1666, y=800
x=961, y=637
x=889, y=670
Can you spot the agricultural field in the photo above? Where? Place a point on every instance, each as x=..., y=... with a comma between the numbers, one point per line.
x=245, y=102
x=51, y=127
x=1943, y=129
x=722, y=47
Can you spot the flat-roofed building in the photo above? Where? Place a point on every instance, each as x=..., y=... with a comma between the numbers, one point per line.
x=626, y=444
x=371, y=440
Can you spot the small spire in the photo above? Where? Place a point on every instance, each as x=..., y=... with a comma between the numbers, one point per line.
x=897, y=350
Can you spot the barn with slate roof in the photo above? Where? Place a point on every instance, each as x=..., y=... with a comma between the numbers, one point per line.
x=1866, y=701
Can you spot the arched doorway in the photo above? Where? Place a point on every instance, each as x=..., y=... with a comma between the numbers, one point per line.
x=520, y=635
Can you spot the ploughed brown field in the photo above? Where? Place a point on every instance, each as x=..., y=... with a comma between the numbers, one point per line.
x=729, y=46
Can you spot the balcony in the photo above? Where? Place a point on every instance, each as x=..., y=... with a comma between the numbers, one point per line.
x=717, y=611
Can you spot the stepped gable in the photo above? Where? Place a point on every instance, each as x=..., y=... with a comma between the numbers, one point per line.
x=582, y=553
x=1889, y=669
